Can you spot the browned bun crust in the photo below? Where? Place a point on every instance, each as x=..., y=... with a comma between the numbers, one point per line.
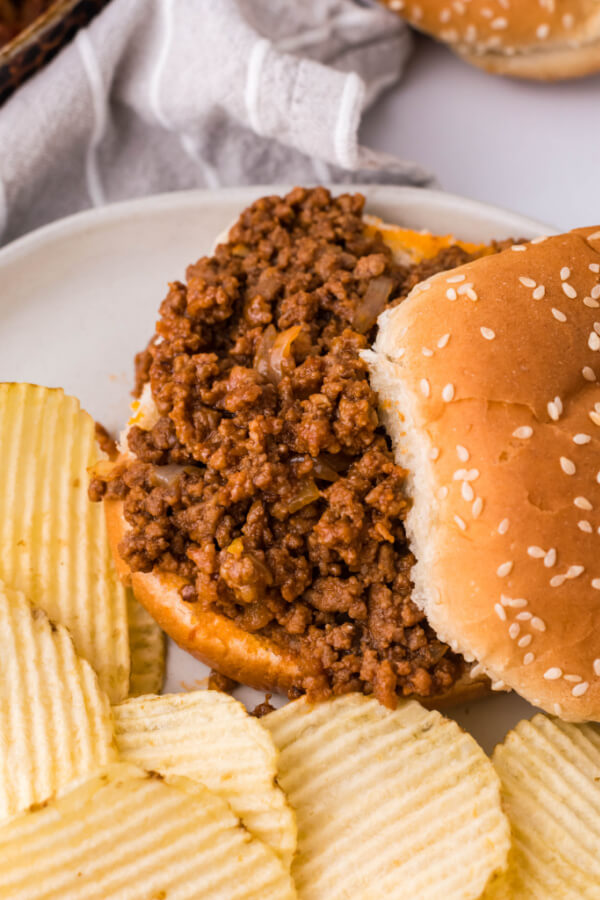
x=499, y=426
x=538, y=39
x=219, y=643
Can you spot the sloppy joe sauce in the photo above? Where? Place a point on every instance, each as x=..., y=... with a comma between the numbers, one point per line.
x=282, y=505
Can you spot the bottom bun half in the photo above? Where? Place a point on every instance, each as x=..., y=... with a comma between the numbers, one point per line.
x=251, y=659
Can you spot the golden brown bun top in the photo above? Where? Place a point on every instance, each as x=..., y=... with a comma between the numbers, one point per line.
x=488, y=378
x=534, y=29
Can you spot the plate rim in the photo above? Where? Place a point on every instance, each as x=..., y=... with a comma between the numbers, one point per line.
x=97, y=217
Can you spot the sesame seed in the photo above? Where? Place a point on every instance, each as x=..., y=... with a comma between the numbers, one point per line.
x=567, y=465
x=582, y=503
x=426, y=351
x=550, y=558
x=454, y=279
x=569, y=290
x=525, y=640
x=459, y=6
x=445, y=15
x=539, y=292
x=595, y=291
x=434, y=453
x=417, y=12
x=518, y=247
x=554, y=410
x=465, y=287
x=595, y=417
x=564, y=273
x=589, y=301
x=488, y=334
x=542, y=31
x=596, y=584
x=560, y=316
x=580, y=689
x=536, y=552
x=443, y=340
x=594, y=341
x=597, y=667
x=504, y=569
x=528, y=658
x=451, y=294
x=460, y=475
x=467, y=491
x=471, y=294
x=568, y=20
x=574, y=571
x=515, y=602
x=477, y=507
x=461, y=523
x=572, y=678
x=594, y=267
x=581, y=438
x=553, y=673
x=397, y=4
x=503, y=526
x=540, y=239
x=594, y=236
x=500, y=612
x=557, y=709
x=557, y=580
x=443, y=492
x=527, y=282
x=499, y=23
x=538, y=624
x=513, y=631
x=586, y=526
x=448, y=391
x=523, y=432
x=471, y=475
x=462, y=453
x=425, y=389
x=523, y=616
x=498, y=685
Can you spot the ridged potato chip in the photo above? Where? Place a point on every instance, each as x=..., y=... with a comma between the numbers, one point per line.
x=210, y=738
x=55, y=722
x=147, y=648
x=550, y=774
x=390, y=804
x=53, y=543
x=129, y=835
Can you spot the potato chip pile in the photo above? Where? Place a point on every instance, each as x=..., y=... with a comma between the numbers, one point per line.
x=111, y=792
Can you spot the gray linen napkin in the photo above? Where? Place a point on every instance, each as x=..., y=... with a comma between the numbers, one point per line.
x=159, y=95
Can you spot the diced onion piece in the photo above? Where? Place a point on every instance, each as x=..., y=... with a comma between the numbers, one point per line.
x=281, y=351
x=307, y=492
x=324, y=471
x=373, y=303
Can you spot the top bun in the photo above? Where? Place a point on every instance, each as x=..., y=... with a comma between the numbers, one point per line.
x=488, y=381
x=543, y=39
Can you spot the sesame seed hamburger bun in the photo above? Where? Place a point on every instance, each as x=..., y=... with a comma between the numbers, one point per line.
x=500, y=429
x=538, y=39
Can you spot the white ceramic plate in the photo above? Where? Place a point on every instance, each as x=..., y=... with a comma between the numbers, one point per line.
x=79, y=298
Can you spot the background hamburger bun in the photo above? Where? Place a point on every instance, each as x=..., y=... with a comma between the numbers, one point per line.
x=500, y=428
x=541, y=39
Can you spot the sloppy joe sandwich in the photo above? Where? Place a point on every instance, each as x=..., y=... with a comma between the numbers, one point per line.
x=500, y=430
x=540, y=39
x=257, y=508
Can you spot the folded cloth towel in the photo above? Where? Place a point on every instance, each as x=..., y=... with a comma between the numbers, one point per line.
x=160, y=95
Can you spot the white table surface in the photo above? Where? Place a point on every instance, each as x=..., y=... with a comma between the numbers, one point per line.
x=531, y=147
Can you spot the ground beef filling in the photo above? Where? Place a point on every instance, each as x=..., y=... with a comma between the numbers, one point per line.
x=268, y=481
